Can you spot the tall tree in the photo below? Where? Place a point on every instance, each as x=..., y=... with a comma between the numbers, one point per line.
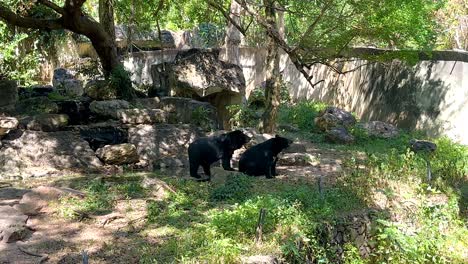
x=273, y=81
x=70, y=16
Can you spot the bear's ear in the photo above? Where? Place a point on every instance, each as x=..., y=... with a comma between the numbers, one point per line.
x=276, y=136
x=224, y=138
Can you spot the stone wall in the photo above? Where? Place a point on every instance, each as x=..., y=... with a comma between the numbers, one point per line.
x=431, y=95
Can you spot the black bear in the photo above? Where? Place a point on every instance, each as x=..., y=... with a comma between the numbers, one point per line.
x=205, y=151
x=261, y=159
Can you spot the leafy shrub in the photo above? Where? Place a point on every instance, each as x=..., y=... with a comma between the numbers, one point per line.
x=301, y=114
x=120, y=81
x=243, y=116
x=236, y=188
x=200, y=117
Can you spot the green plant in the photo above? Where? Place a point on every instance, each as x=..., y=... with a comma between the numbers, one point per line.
x=121, y=83
x=242, y=116
x=301, y=114
x=235, y=188
x=201, y=118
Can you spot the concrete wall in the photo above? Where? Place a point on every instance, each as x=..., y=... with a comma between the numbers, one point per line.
x=432, y=96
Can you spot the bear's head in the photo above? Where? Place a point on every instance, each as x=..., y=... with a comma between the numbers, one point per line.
x=280, y=143
x=235, y=139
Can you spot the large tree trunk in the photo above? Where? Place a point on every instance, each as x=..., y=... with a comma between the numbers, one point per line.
x=106, y=16
x=273, y=81
x=73, y=19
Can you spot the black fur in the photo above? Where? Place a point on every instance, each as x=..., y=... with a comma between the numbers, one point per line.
x=261, y=159
x=205, y=151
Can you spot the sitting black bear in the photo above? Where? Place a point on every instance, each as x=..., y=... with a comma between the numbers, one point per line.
x=205, y=151
x=261, y=159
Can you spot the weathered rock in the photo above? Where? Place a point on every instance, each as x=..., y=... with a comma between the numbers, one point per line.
x=101, y=135
x=66, y=83
x=108, y=108
x=334, y=117
x=7, y=124
x=77, y=110
x=298, y=159
x=8, y=95
x=45, y=122
x=380, y=129
x=118, y=154
x=422, y=146
x=12, y=225
x=100, y=90
x=339, y=135
x=155, y=142
x=141, y=116
x=148, y=103
x=160, y=190
x=33, y=153
x=37, y=105
x=199, y=73
x=259, y=259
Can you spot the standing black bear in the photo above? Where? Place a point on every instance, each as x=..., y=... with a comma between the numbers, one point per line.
x=205, y=151
x=261, y=159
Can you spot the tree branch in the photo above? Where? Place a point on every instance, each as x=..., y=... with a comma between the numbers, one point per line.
x=227, y=16
x=26, y=22
x=52, y=6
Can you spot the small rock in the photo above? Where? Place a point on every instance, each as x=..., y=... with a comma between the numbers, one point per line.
x=422, y=146
x=46, y=122
x=108, y=108
x=259, y=259
x=118, y=154
x=7, y=124
x=141, y=116
x=339, y=135
x=380, y=129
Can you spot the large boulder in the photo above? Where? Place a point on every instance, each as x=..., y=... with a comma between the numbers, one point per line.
x=45, y=122
x=339, y=135
x=66, y=83
x=200, y=74
x=137, y=116
x=101, y=135
x=156, y=142
x=34, y=153
x=108, y=108
x=8, y=95
x=7, y=124
x=380, y=129
x=118, y=154
x=332, y=117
